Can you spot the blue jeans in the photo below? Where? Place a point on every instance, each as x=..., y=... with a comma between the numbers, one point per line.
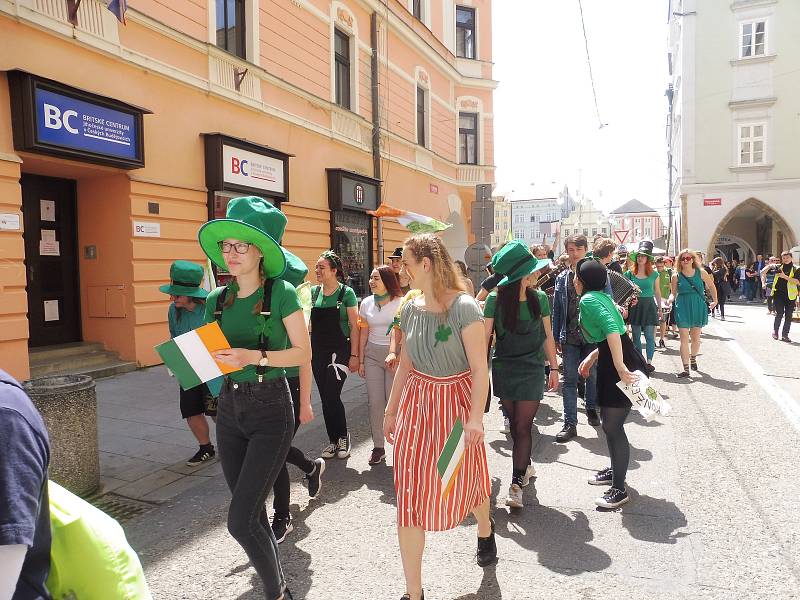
x=573, y=355
x=649, y=338
x=255, y=425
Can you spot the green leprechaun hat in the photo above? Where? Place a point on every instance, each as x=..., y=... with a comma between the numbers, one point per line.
x=296, y=269
x=515, y=261
x=185, y=280
x=248, y=219
x=645, y=248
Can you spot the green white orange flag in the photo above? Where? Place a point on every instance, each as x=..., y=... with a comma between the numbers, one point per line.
x=189, y=356
x=414, y=222
x=451, y=458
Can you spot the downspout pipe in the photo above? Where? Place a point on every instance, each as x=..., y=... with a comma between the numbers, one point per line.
x=376, y=124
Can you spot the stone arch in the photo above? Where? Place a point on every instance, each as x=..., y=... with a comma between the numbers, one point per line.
x=752, y=203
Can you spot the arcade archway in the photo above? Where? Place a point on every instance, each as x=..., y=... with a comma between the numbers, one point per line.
x=751, y=228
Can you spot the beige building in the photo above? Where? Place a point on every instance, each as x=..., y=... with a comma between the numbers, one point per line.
x=117, y=142
x=502, y=220
x=587, y=220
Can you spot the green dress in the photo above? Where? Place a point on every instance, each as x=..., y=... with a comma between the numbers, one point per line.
x=645, y=312
x=691, y=309
x=518, y=357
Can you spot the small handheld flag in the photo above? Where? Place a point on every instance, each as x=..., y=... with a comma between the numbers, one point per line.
x=189, y=356
x=451, y=458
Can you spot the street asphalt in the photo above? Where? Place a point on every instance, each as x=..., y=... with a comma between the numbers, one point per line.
x=714, y=511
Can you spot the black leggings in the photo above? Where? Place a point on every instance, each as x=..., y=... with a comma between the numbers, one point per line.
x=613, y=418
x=521, y=415
x=783, y=310
x=280, y=500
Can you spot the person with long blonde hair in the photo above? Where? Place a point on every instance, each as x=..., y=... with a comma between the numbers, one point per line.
x=691, y=312
x=439, y=392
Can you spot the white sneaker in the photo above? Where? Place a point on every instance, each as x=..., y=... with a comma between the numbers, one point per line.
x=514, y=498
x=329, y=451
x=530, y=473
x=506, y=426
x=343, y=448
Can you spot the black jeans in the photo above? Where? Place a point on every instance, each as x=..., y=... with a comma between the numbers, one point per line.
x=330, y=390
x=783, y=310
x=280, y=500
x=254, y=431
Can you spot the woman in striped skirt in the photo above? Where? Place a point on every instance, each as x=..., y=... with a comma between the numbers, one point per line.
x=439, y=394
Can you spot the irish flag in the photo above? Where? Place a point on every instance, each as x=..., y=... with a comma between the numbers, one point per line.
x=414, y=222
x=451, y=458
x=189, y=357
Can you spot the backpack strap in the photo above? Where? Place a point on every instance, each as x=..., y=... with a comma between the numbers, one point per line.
x=220, y=302
x=266, y=311
x=340, y=297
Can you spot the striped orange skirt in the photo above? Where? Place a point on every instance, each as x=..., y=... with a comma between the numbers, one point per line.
x=428, y=410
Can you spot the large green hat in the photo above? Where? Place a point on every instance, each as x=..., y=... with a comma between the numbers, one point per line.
x=515, y=261
x=185, y=279
x=248, y=219
x=645, y=248
x=296, y=269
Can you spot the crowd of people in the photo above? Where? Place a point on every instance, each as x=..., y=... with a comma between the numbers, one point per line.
x=428, y=347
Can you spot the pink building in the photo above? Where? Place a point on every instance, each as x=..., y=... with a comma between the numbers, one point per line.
x=635, y=221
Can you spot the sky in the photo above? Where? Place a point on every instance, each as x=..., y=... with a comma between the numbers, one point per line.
x=546, y=128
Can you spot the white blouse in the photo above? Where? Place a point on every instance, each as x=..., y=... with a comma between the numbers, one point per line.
x=378, y=318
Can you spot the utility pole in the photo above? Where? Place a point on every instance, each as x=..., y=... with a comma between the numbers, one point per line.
x=669, y=94
x=376, y=123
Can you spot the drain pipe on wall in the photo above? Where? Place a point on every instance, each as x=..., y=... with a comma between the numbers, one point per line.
x=376, y=125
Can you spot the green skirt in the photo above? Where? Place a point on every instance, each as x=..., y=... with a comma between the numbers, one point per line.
x=690, y=311
x=645, y=313
x=517, y=380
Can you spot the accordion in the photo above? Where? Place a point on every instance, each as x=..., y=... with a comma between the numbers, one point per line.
x=623, y=290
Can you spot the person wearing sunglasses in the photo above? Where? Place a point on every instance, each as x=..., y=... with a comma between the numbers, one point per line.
x=689, y=301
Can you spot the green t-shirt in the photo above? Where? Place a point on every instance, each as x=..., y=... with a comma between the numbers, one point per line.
x=664, y=282
x=188, y=321
x=599, y=317
x=349, y=299
x=646, y=284
x=490, y=307
x=242, y=328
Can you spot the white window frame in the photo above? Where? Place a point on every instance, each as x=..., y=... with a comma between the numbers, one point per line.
x=252, y=42
x=754, y=23
x=352, y=33
x=426, y=87
x=751, y=140
x=425, y=9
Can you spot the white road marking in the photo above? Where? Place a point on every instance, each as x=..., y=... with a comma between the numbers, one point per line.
x=782, y=400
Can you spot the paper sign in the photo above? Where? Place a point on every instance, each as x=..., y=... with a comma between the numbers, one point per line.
x=645, y=398
x=141, y=229
x=9, y=221
x=48, y=235
x=48, y=210
x=51, y=310
x=47, y=248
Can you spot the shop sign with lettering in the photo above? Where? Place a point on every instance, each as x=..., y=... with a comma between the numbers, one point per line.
x=244, y=167
x=241, y=167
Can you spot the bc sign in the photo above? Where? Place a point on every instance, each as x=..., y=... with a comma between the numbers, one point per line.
x=242, y=167
x=78, y=125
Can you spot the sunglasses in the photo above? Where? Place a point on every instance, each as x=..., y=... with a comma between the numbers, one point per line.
x=686, y=258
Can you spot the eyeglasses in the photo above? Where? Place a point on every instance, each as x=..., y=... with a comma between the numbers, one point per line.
x=686, y=258
x=240, y=247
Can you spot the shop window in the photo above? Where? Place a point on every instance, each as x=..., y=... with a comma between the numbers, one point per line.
x=231, y=34
x=422, y=116
x=342, y=57
x=468, y=138
x=751, y=144
x=753, y=38
x=465, y=32
x=351, y=235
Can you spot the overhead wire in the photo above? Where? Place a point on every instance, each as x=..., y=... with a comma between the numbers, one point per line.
x=589, y=63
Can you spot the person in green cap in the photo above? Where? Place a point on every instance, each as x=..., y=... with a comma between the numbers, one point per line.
x=263, y=321
x=186, y=313
x=645, y=313
x=520, y=318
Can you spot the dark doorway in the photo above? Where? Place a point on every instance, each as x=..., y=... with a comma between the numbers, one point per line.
x=51, y=264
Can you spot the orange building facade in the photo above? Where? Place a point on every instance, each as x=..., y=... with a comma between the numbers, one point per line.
x=118, y=141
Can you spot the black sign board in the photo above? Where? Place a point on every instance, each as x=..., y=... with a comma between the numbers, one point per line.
x=352, y=190
x=236, y=165
x=51, y=118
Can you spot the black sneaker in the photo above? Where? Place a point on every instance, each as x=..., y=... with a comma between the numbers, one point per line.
x=343, y=447
x=613, y=498
x=314, y=479
x=281, y=527
x=567, y=432
x=591, y=416
x=205, y=454
x=487, y=549
x=601, y=477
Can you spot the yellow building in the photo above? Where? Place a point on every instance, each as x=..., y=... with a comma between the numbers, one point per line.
x=118, y=141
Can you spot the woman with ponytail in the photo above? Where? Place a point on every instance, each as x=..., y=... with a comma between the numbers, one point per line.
x=334, y=341
x=262, y=319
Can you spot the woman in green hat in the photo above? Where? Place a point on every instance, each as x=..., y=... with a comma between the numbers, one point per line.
x=520, y=318
x=644, y=314
x=262, y=320
x=186, y=313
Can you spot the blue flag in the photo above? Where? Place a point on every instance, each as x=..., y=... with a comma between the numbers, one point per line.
x=118, y=7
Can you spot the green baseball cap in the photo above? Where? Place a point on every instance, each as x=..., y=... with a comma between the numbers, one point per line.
x=185, y=279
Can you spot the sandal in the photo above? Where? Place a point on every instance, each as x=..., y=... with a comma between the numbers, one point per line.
x=661, y=344
x=685, y=372
x=693, y=363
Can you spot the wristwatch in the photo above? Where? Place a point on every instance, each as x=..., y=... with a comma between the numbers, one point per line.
x=263, y=361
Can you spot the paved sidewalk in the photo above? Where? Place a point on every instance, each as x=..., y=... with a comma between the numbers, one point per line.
x=144, y=443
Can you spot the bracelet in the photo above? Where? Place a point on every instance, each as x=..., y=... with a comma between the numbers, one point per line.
x=354, y=356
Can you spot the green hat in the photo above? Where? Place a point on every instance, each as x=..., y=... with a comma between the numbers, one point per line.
x=248, y=219
x=645, y=248
x=515, y=261
x=185, y=279
x=296, y=269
